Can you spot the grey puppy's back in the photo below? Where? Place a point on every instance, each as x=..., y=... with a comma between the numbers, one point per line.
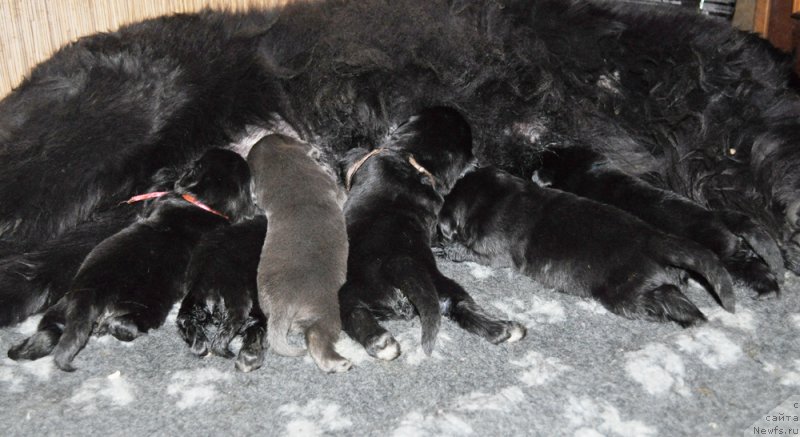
x=304, y=259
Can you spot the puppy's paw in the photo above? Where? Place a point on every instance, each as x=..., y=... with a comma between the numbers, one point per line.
x=37, y=346
x=123, y=328
x=193, y=335
x=64, y=364
x=517, y=332
x=338, y=365
x=249, y=359
x=790, y=248
x=754, y=273
x=220, y=348
x=506, y=331
x=662, y=304
x=383, y=347
x=454, y=252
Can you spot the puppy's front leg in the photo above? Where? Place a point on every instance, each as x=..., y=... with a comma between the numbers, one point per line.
x=457, y=252
x=459, y=307
x=46, y=337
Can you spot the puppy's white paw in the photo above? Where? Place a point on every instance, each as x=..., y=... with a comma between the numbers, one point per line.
x=384, y=347
x=516, y=331
x=337, y=366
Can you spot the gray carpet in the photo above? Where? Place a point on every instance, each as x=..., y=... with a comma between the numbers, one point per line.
x=580, y=371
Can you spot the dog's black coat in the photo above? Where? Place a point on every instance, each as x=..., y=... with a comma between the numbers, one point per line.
x=128, y=283
x=656, y=91
x=576, y=245
x=391, y=219
x=745, y=248
x=222, y=294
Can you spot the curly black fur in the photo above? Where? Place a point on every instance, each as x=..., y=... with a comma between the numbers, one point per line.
x=702, y=109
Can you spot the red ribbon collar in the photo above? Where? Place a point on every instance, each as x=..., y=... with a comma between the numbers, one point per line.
x=187, y=197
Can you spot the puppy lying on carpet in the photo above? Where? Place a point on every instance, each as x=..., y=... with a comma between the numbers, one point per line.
x=128, y=283
x=577, y=245
x=304, y=257
x=222, y=294
x=746, y=249
x=395, y=194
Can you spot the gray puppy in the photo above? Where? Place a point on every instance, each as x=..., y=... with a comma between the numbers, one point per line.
x=304, y=259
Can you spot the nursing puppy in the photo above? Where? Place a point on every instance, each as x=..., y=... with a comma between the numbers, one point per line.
x=577, y=245
x=746, y=250
x=304, y=258
x=222, y=294
x=395, y=195
x=128, y=283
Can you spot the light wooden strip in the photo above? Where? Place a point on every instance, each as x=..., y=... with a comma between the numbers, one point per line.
x=761, y=19
x=31, y=30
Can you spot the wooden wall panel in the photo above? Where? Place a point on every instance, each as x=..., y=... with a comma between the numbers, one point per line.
x=31, y=30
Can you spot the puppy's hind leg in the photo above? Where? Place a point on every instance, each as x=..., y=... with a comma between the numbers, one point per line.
x=663, y=303
x=320, y=337
x=691, y=256
x=234, y=317
x=81, y=315
x=362, y=326
x=753, y=256
x=251, y=355
x=191, y=322
x=744, y=265
x=46, y=337
x=407, y=275
x=756, y=236
x=458, y=306
x=123, y=328
x=278, y=326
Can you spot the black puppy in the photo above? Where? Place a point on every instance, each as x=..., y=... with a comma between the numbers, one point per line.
x=395, y=195
x=577, y=245
x=128, y=283
x=745, y=248
x=222, y=293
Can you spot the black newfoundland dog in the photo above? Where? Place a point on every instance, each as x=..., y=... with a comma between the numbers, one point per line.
x=679, y=101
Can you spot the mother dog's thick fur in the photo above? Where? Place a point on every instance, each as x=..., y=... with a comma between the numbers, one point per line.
x=699, y=108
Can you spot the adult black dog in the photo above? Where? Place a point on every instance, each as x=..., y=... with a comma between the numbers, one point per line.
x=578, y=246
x=128, y=283
x=395, y=196
x=703, y=110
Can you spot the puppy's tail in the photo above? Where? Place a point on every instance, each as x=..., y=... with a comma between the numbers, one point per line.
x=413, y=280
x=278, y=326
x=82, y=313
x=691, y=256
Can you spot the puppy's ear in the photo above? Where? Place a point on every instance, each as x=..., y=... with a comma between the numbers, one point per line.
x=350, y=158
